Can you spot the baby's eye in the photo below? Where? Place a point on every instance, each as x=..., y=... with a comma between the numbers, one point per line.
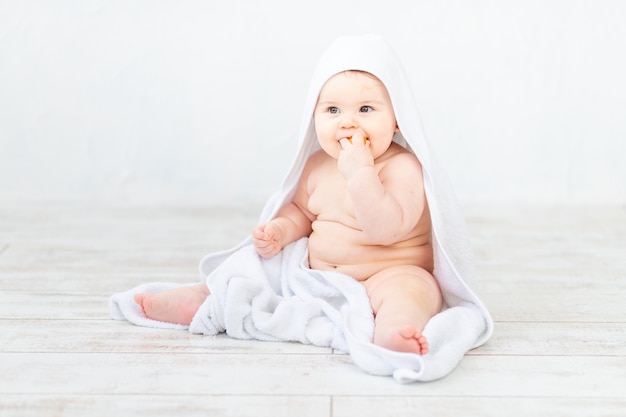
x=333, y=110
x=366, y=109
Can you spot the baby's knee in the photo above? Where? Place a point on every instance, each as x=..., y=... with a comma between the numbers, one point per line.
x=404, y=282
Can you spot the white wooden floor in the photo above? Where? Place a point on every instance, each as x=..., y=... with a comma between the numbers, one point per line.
x=554, y=280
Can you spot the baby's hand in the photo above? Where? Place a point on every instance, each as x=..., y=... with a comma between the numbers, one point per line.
x=266, y=239
x=355, y=154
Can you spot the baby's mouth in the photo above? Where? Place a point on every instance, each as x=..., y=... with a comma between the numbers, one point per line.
x=364, y=139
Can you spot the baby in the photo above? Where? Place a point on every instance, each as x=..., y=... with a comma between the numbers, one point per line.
x=361, y=202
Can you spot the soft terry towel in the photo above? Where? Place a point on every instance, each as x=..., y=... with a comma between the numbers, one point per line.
x=282, y=299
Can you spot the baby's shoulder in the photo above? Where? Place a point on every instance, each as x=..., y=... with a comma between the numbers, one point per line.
x=318, y=156
x=316, y=163
x=399, y=157
x=317, y=159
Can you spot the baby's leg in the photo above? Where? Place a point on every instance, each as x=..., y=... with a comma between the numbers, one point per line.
x=177, y=305
x=403, y=298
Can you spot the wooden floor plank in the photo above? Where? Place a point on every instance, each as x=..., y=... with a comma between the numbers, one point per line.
x=259, y=374
x=59, y=306
x=573, y=305
x=106, y=336
x=580, y=305
x=95, y=282
x=367, y=406
x=556, y=338
x=110, y=336
x=79, y=257
x=163, y=406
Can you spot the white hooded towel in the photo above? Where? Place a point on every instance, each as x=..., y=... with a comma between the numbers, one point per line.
x=282, y=299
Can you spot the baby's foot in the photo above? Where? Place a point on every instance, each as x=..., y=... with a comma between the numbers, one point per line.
x=403, y=339
x=177, y=305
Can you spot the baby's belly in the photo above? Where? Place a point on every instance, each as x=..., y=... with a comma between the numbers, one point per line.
x=336, y=247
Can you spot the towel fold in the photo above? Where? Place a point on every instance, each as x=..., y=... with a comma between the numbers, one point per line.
x=282, y=299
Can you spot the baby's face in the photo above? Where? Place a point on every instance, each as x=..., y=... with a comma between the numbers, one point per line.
x=354, y=102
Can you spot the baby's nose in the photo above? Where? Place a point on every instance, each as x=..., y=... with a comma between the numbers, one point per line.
x=349, y=121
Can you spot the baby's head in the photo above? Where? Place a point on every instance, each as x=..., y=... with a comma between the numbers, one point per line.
x=354, y=103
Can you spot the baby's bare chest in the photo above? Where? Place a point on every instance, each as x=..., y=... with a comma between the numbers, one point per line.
x=329, y=197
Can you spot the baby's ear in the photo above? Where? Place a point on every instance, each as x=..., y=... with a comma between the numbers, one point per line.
x=397, y=128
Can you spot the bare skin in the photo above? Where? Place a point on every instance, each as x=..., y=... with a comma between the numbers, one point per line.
x=177, y=305
x=361, y=202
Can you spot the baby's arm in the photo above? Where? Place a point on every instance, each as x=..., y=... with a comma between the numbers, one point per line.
x=387, y=204
x=292, y=222
x=289, y=225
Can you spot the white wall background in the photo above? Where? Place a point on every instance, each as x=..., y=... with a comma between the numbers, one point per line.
x=200, y=101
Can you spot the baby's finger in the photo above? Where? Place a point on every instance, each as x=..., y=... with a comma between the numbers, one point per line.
x=259, y=232
x=358, y=139
x=343, y=142
x=260, y=242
